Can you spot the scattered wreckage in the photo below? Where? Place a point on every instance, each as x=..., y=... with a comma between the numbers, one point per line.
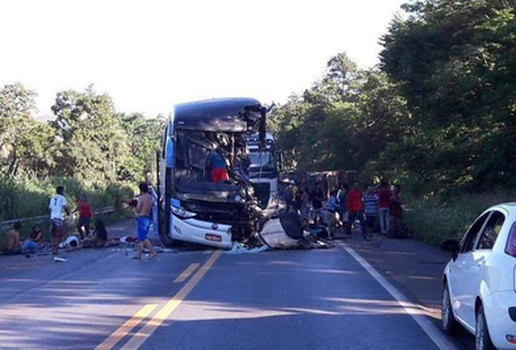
x=205, y=193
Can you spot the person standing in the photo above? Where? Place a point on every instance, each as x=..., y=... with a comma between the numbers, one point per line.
x=305, y=204
x=370, y=200
x=143, y=213
x=384, y=194
x=317, y=198
x=342, y=199
x=396, y=212
x=355, y=209
x=58, y=206
x=85, y=214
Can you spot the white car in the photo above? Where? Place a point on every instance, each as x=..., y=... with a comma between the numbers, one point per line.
x=479, y=283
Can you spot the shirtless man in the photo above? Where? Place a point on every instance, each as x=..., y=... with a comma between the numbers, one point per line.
x=13, y=245
x=143, y=211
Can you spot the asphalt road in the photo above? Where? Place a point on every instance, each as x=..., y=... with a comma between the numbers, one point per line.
x=319, y=299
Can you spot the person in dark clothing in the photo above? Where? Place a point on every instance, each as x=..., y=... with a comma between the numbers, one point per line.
x=396, y=212
x=33, y=243
x=316, y=197
x=99, y=237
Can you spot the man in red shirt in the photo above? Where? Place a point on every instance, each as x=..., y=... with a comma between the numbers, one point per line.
x=355, y=209
x=385, y=194
x=85, y=213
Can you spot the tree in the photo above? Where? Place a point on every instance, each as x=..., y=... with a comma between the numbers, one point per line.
x=94, y=142
x=24, y=141
x=454, y=63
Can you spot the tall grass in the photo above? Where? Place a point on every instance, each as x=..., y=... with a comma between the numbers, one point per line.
x=433, y=220
x=25, y=197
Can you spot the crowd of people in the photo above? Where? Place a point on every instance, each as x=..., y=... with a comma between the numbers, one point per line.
x=372, y=208
x=61, y=216
x=58, y=207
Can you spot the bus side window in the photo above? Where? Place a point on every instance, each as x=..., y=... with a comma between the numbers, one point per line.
x=164, y=145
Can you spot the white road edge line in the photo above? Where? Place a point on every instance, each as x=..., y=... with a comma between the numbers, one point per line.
x=424, y=322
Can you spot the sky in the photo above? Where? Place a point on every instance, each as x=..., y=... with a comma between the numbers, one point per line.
x=149, y=55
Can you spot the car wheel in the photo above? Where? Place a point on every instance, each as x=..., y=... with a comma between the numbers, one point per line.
x=448, y=322
x=482, y=337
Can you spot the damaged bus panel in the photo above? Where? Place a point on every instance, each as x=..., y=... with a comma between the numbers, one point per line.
x=206, y=192
x=263, y=172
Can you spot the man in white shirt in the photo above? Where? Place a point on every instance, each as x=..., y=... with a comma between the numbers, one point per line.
x=57, y=206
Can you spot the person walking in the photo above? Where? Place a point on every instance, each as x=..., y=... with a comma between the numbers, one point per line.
x=384, y=194
x=85, y=214
x=143, y=211
x=370, y=200
x=355, y=209
x=58, y=206
x=396, y=212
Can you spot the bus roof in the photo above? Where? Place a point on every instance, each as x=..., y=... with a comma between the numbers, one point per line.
x=223, y=114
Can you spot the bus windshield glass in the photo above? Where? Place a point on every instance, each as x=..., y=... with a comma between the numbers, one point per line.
x=260, y=159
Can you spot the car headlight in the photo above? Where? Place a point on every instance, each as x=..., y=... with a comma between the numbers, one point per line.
x=182, y=213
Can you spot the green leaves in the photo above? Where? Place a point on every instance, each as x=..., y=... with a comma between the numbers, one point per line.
x=86, y=140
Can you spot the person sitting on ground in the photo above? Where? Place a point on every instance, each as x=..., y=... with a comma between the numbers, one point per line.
x=33, y=243
x=13, y=245
x=99, y=237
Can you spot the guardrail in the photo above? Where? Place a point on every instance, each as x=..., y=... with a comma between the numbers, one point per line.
x=104, y=210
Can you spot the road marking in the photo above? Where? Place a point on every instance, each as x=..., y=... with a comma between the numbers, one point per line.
x=127, y=327
x=139, y=338
x=186, y=273
x=208, y=251
x=418, y=313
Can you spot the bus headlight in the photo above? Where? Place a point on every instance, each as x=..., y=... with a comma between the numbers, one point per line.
x=182, y=213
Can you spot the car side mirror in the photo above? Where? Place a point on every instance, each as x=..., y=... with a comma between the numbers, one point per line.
x=451, y=246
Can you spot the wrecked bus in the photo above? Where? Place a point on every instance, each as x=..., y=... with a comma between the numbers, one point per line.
x=205, y=191
x=263, y=172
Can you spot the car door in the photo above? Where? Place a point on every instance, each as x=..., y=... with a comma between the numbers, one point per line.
x=460, y=271
x=474, y=267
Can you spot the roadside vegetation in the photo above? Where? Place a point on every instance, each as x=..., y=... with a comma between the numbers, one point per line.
x=86, y=146
x=437, y=115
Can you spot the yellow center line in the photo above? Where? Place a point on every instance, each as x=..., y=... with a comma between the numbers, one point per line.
x=139, y=338
x=124, y=329
x=186, y=273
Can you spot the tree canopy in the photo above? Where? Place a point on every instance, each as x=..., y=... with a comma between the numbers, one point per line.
x=437, y=113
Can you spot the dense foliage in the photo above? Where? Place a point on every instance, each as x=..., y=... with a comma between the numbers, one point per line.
x=87, y=146
x=437, y=114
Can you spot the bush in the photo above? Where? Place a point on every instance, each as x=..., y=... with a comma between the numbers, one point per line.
x=433, y=220
x=23, y=197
